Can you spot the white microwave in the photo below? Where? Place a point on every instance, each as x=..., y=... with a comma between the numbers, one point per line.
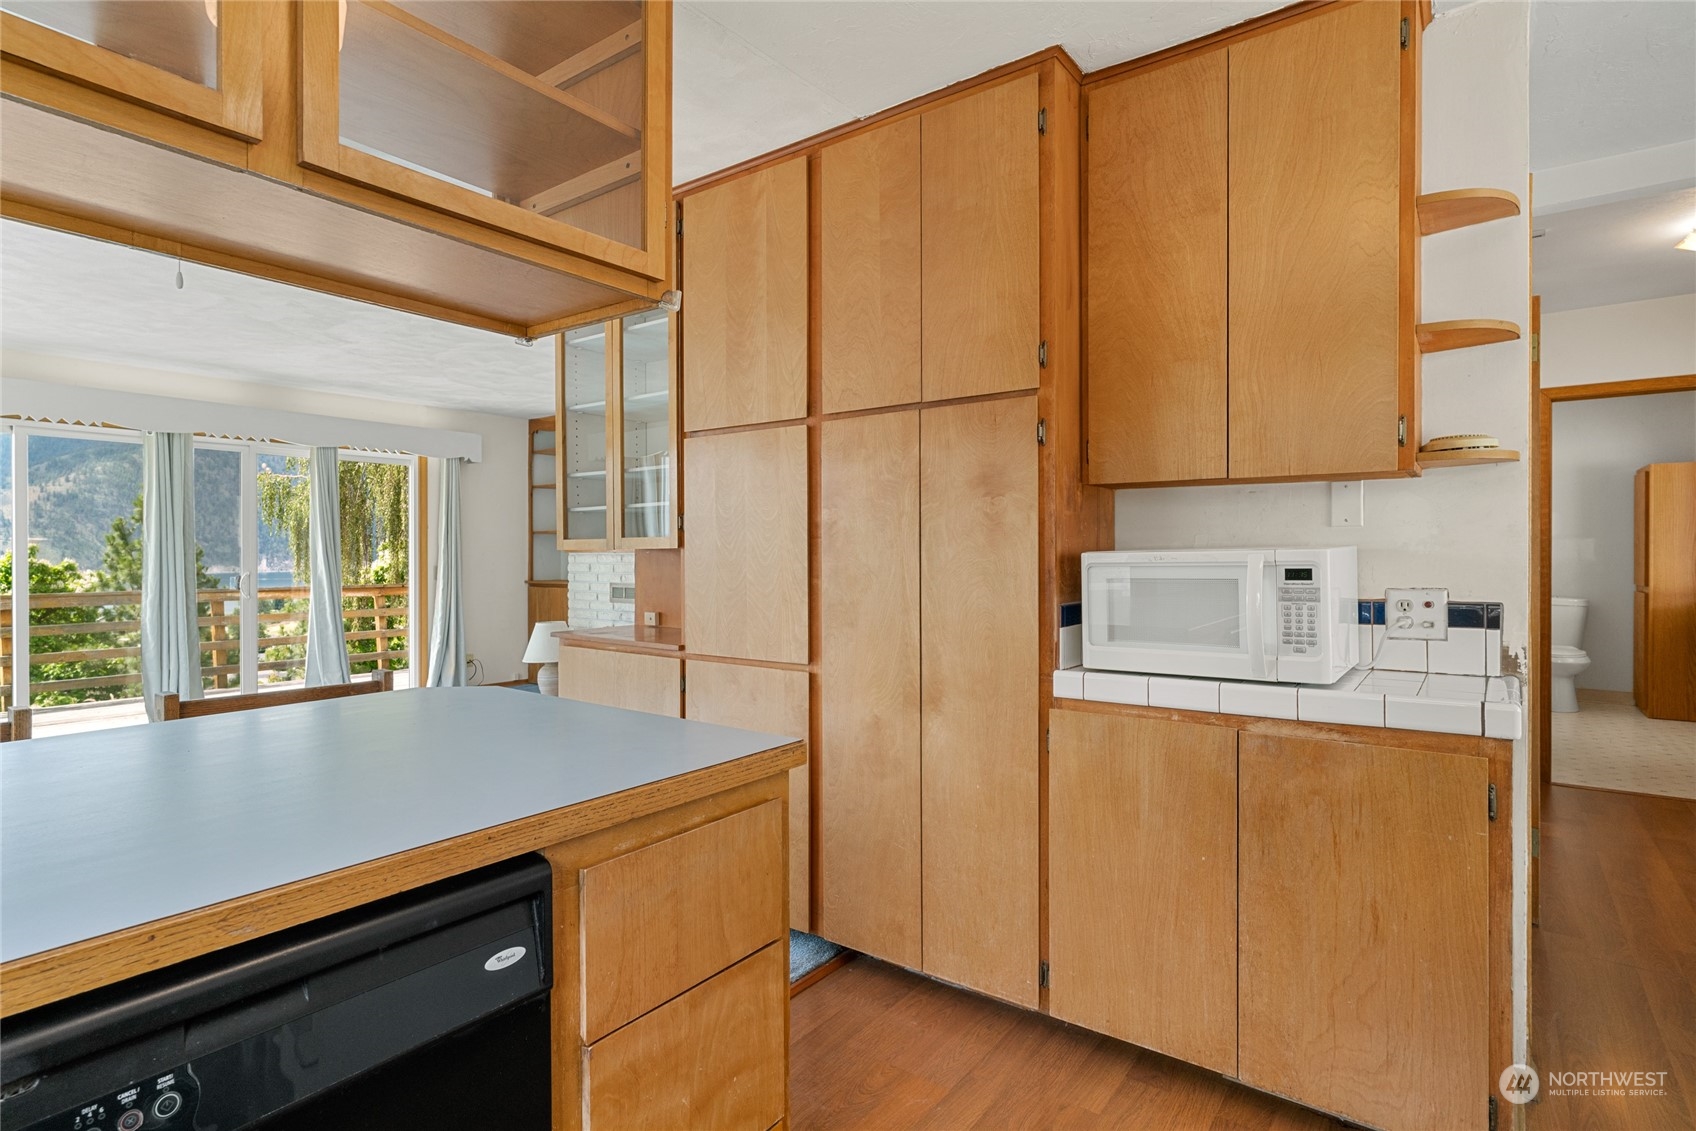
x=1285, y=616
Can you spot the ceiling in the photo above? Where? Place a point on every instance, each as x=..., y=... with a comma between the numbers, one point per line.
x=66, y=295
x=1618, y=252
x=754, y=75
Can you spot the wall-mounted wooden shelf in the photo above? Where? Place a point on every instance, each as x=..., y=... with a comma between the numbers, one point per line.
x=1435, y=337
x=1464, y=457
x=1460, y=208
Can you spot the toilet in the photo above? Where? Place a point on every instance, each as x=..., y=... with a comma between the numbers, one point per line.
x=1567, y=660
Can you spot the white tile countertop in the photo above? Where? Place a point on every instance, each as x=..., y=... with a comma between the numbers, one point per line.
x=1402, y=700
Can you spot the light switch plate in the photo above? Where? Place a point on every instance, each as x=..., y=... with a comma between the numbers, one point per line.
x=1416, y=614
x=1348, y=504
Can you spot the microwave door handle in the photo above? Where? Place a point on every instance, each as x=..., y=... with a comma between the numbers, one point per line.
x=1256, y=615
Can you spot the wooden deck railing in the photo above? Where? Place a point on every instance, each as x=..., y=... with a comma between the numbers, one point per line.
x=377, y=608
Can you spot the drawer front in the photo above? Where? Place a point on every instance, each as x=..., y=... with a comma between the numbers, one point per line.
x=713, y=1058
x=669, y=916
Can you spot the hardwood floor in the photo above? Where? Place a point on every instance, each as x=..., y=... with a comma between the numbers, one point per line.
x=876, y=1047
x=1614, y=959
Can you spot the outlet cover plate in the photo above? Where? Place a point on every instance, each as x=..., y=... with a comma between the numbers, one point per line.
x=1348, y=504
x=1416, y=614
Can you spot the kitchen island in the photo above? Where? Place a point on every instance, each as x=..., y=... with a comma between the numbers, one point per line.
x=126, y=851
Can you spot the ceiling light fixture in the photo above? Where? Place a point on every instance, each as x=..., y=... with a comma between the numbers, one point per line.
x=1688, y=243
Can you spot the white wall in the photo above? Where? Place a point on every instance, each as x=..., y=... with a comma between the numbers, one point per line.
x=493, y=530
x=1598, y=446
x=1652, y=338
x=1463, y=528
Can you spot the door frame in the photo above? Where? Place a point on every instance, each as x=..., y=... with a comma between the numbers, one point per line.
x=1541, y=481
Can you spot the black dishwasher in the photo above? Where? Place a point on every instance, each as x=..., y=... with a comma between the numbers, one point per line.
x=425, y=1010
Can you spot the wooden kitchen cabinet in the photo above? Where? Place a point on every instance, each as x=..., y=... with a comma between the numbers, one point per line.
x=773, y=701
x=981, y=219
x=1364, y=942
x=745, y=270
x=1251, y=239
x=1142, y=882
x=869, y=685
x=745, y=587
x=978, y=601
x=1156, y=254
x=1664, y=603
x=631, y=680
x=869, y=269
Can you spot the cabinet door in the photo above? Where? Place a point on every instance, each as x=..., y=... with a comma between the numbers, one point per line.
x=644, y=432
x=1321, y=351
x=193, y=59
x=745, y=269
x=630, y=680
x=772, y=701
x=745, y=587
x=981, y=216
x=549, y=121
x=1669, y=658
x=869, y=269
x=869, y=684
x=978, y=627
x=1156, y=202
x=583, y=445
x=1363, y=969
x=1142, y=882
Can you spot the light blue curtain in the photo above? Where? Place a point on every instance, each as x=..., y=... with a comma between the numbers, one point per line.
x=447, y=619
x=326, y=647
x=170, y=636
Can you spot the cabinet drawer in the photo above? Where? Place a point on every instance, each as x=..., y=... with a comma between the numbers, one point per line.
x=669, y=916
x=711, y=1058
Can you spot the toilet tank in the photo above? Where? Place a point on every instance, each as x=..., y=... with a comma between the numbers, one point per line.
x=1566, y=621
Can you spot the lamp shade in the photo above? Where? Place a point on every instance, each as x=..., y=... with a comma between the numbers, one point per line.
x=543, y=648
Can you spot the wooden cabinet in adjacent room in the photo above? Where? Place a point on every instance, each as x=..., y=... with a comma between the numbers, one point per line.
x=1664, y=604
x=1142, y=882
x=1251, y=242
x=745, y=272
x=1364, y=972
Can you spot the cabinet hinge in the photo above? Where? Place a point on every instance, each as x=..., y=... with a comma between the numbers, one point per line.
x=1042, y=120
x=1401, y=431
x=1536, y=842
x=682, y=684
x=680, y=522
x=1404, y=33
x=1041, y=431
x=1492, y=1113
x=1042, y=354
x=1042, y=974
x=680, y=222
x=1536, y=348
x=1492, y=801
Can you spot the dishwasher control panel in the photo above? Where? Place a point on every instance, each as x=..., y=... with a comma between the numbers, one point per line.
x=166, y=1100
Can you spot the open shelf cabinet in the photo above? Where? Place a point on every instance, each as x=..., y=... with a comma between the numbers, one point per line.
x=1460, y=208
x=1463, y=333
x=1467, y=458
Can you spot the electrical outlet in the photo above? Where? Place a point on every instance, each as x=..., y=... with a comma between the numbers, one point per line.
x=651, y=618
x=1416, y=614
x=471, y=657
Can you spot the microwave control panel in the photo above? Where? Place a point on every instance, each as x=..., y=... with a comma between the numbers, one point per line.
x=1299, y=623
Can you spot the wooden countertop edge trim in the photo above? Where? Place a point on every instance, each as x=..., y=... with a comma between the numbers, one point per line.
x=611, y=643
x=52, y=975
x=1471, y=745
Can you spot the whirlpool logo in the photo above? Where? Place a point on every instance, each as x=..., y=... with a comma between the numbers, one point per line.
x=504, y=959
x=1519, y=1083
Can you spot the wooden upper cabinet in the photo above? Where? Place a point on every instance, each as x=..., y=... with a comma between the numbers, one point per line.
x=551, y=122
x=869, y=269
x=745, y=589
x=195, y=60
x=1321, y=323
x=981, y=247
x=1156, y=194
x=1363, y=930
x=745, y=317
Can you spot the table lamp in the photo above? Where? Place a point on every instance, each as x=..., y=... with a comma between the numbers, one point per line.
x=544, y=650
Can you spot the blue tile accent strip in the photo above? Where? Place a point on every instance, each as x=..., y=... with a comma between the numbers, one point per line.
x=1071, y=612
x=1462, y=614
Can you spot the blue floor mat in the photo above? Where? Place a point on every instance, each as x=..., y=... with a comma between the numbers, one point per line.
x=807, y=953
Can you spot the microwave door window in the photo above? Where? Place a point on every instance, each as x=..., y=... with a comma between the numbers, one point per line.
x=1186, y=614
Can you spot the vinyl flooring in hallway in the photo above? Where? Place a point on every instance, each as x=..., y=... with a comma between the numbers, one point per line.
x=1609, y=744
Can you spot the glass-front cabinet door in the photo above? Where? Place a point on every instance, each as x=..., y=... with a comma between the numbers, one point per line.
x=547, y=120
x=196, y=59
x=647, y=432
x=616, y=411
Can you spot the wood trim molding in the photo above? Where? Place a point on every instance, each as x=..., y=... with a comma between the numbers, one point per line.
x=1602, y=390
x=810, y=145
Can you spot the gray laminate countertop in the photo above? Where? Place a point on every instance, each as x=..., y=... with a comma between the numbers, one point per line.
x=115, y=828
